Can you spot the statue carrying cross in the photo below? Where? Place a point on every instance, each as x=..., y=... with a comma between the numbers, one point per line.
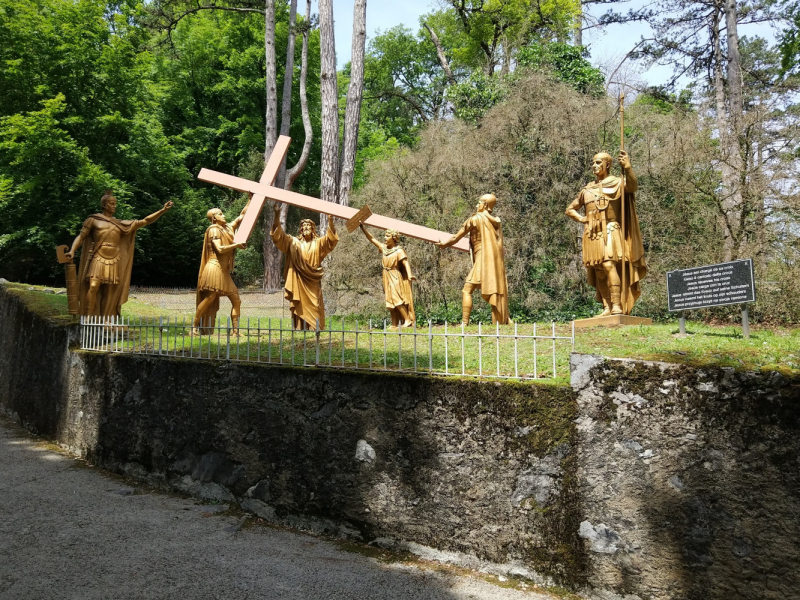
x=306, y=304
x=264, y=189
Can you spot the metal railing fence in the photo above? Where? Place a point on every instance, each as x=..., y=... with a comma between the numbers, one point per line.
x=507, y=352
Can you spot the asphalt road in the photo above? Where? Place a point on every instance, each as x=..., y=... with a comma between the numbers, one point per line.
x=72, y=532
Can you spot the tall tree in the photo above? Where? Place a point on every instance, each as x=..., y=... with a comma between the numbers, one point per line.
x=287, y=177
x=338, y=167
x=166, y=14
x=701, y=39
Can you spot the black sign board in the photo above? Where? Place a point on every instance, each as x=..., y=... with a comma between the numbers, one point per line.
x=713, y=285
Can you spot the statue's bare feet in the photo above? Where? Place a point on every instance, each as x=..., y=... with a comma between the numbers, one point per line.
x=195, y=331
x=616, y=309
x=408, y=324
x=605, y=313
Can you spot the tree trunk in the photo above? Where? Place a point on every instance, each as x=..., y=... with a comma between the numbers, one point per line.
x=579, y=25
x=288, y=78
x=736, y=110
x=296, y=170
x=355, y=93
x=271, y=77
x=735, y=105
x=731, y=194
x=440, y=53
x=272, y=259
x=330, y=109
x=271, y=254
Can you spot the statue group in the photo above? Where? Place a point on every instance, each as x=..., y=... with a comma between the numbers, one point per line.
x=613, y=255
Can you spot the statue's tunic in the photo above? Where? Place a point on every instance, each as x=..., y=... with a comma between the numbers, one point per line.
x=108, y=258
x=215, y=269
x=303, y=274
x=603, y=238
x=488, y=262
x=215, y=273
x=396, y=285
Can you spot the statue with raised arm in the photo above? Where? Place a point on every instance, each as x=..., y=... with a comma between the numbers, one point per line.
x=216, y=266
x=397, y=278
x=104, y=274
x=488, y=273
x=303, y=270
x=606, y=248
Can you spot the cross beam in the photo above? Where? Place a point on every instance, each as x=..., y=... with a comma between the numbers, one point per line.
x=268, y=177
x=264, y=189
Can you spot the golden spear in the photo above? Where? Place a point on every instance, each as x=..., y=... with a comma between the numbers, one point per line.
x=624, y=287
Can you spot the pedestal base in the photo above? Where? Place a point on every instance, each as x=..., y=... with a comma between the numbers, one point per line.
x=612, y=321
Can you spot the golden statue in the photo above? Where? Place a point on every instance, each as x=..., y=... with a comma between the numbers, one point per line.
x=488, y=273
x=303, y=271
x=104, y=275
x=397, y=278
x=216, y=266
x=605, y=247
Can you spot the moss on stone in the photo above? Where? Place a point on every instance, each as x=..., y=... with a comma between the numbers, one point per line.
x=52, y=307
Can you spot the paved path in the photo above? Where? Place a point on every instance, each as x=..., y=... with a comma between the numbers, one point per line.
x=67, y=531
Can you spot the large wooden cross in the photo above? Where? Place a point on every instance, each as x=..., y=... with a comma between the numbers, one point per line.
x=264, y=189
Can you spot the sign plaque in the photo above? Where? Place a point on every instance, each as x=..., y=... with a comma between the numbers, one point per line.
x=712, y=285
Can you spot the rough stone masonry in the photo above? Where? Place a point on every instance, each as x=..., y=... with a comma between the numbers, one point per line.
x=689, y=480
x=646, y=480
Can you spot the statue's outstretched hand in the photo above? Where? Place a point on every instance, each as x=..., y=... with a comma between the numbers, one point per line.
x=169, y=205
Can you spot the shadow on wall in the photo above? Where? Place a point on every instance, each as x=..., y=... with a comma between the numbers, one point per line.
x=460, y=466
x=34, y=366
x=700, y=475
x=482, y=469
x=736, y=513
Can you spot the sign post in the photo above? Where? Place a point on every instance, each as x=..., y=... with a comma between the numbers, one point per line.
x=712, y=285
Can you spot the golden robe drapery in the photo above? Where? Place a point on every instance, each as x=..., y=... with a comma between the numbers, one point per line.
x=603, y=238
x=110, y=297
x=215, y=272
x=396, y=285
x=303, y=274
x=489, y=266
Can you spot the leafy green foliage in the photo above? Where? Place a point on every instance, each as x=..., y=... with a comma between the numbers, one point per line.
x=567, y=63
x=477, y=94
x=790, y=41
x=90, y=100
x=664, y=101
x=78, y=116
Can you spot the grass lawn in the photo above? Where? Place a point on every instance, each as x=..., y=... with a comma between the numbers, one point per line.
x=774, y=349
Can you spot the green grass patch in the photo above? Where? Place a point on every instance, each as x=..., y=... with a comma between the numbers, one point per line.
x=51, y=305
x=768, y=348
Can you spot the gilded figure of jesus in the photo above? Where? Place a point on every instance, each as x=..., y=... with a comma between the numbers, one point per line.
x=303, y=270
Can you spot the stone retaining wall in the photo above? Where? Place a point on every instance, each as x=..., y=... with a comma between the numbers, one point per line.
x=689, y=480
x=477, y=469
x=644, y=481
